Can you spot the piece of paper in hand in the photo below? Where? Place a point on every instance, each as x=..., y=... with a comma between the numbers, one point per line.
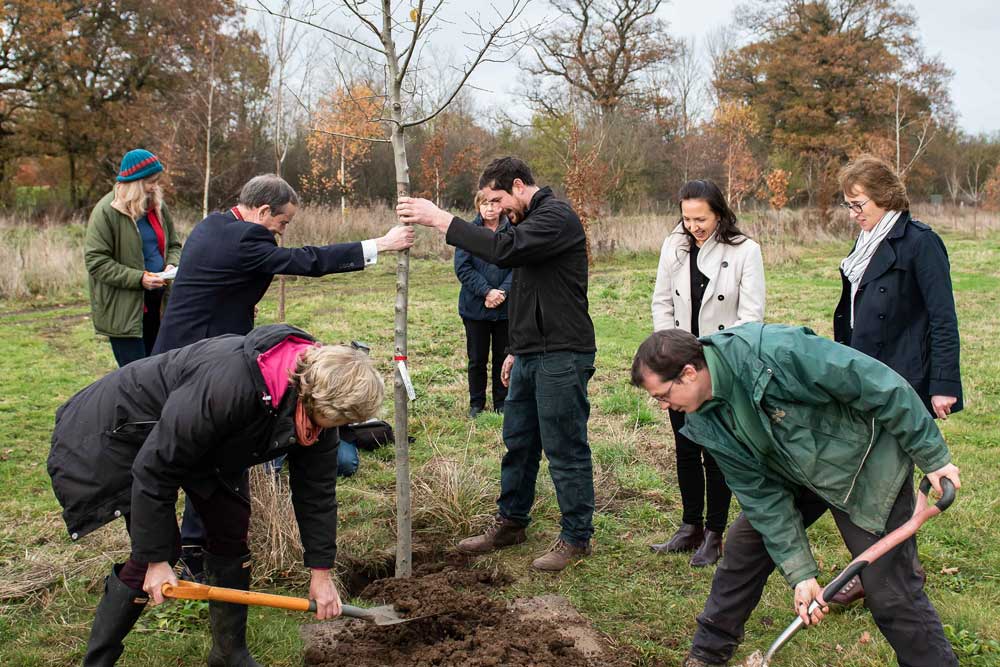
x=405, y=376
x=167, y=275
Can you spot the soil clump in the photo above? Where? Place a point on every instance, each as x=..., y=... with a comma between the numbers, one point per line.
x=457, y=622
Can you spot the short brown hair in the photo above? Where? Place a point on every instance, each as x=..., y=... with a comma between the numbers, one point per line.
x=338, y=383
x=879, y=180
x=666, y=353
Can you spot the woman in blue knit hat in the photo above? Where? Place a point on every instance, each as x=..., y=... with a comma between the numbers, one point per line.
x=130, y=239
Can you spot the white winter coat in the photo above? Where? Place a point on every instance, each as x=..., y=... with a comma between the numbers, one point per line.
x=734, y=294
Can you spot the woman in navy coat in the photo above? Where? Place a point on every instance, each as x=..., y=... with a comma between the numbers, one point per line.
x=482, y=304
x=897, y=303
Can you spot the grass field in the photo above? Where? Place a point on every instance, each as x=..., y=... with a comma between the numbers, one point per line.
x=645, y=604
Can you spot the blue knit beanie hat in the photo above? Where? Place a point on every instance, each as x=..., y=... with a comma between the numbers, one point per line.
x=138, y=164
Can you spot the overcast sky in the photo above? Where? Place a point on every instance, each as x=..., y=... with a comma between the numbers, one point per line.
x=964, y=33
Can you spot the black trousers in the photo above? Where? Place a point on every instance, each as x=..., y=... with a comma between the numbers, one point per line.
x=480, y=337
x=698, y=473
x=894, y=592
x=226, y=517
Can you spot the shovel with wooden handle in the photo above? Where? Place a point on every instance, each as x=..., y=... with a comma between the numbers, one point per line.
x=921, y=513
x=187, y=590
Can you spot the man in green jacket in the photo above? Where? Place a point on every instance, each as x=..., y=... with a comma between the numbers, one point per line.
x=800, y=425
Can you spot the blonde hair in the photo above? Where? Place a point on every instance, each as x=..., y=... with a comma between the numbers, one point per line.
x=132, y=200
x=480, y=198
x=338, y=383
x=879, y=180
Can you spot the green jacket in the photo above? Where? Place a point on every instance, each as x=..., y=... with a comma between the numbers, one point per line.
x=113, y=256
x=836, y=421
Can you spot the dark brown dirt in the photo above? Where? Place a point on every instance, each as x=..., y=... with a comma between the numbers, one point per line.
x=468, y=628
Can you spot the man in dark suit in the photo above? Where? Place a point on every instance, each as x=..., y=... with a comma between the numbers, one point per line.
x=227, y=266
x=231, y=257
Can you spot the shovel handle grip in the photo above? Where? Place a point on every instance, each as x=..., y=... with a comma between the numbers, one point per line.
x=947, y=494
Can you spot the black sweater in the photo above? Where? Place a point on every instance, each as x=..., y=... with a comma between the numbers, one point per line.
x=548, y=252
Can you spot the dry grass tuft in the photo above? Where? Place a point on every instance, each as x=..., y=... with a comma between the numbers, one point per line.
x=34, y=575
x=274, y=533
x=451, y=498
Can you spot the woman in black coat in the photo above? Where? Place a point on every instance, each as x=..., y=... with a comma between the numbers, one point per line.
x=197, y=418
x=897, y=304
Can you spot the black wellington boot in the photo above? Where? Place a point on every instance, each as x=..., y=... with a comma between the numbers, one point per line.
x=117, y=612
x=229, y=621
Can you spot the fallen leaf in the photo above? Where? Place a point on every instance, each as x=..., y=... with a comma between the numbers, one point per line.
x=840, y=649
x=949, y=570
x=866, y=638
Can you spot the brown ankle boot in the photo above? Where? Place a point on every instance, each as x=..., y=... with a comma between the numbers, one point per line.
x=687, y=538
x=851, y=592
x=710, y=550
x=692, y=661
x=499, y=534
x=559, y=556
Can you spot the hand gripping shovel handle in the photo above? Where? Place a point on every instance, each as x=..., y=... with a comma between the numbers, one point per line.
x=921, y=513
x=188, y=590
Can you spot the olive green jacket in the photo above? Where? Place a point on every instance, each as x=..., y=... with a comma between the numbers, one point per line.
x=837, y=421
x=113, y=256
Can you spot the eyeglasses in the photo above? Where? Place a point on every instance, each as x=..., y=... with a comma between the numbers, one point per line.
x=857, y=207
x=664, y=397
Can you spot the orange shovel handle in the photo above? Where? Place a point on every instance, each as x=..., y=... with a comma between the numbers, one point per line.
x=187, y=590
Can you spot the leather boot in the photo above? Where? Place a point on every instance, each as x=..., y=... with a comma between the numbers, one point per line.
x=559, y=556
x=692, y=661
x=850, y=593
x=687, y=538
x=710, y=550
x=229, y=621
x=501, y=533
x=117, y=612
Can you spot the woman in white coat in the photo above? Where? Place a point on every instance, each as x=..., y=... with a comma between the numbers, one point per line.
x=710, y=277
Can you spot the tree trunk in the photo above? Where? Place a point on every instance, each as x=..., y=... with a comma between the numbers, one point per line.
x=343, y=183
x=404, y=545
x=208, y=153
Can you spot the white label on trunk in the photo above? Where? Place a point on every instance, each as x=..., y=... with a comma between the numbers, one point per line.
x=405, y=376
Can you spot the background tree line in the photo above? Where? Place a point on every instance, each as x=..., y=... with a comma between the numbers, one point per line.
x=622, y=109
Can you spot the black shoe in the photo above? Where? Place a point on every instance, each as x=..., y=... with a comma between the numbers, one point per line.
x=687, y=538
x=191, y=566
x=498, y=409
x=229, y=621
x=117, y=612
x=474, y=411
x=710, y=550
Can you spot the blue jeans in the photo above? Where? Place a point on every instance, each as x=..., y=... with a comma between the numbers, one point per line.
x=547, y=410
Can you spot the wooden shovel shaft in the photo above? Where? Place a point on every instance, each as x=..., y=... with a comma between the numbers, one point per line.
x=187, y=590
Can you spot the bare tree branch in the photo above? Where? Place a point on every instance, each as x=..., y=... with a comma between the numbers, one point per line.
x=335, y=33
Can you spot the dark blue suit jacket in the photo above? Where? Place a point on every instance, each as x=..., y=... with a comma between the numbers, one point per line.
x=226, y=267
x=904, y=311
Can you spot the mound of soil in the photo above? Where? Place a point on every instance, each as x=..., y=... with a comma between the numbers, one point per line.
x=467, y=628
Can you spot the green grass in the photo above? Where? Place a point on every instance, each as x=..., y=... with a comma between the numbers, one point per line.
x=644, y=603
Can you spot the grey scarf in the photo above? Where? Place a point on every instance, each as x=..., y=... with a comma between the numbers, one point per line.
x=855, y=264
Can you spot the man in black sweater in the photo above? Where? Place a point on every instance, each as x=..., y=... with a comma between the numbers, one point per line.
x=550, y=355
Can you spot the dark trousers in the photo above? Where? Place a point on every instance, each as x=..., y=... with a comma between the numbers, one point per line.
x=480, y=336
x=226, y=516
x=127, y=350
x=697, y=476
x=893, y=591
x=547, y=410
